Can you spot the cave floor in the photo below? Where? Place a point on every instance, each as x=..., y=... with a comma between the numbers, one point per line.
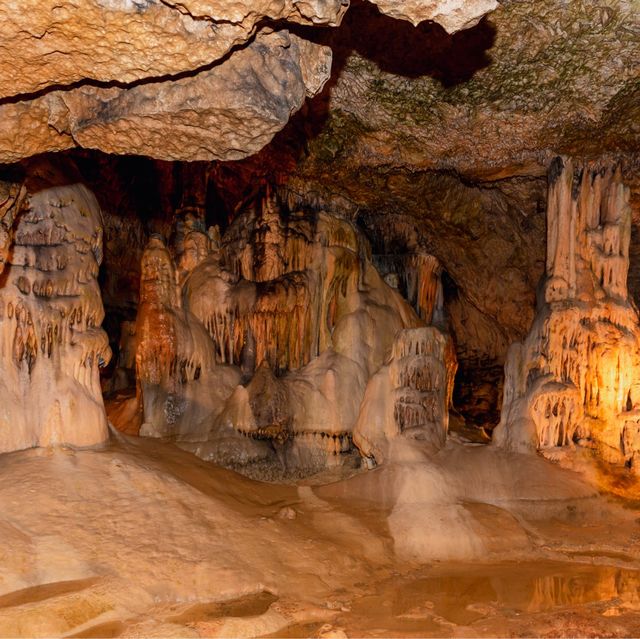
x=142, y=539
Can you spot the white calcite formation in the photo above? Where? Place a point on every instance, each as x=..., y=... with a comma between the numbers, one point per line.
x=409, y=396
x=259, y=346
x=453, y=15
x=576, y=377
x=51, y=344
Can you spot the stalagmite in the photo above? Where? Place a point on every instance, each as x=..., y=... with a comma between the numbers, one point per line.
x=575, y=378
x=11, y=199
x=410, y=396
x=52, y=345
x=175, y=362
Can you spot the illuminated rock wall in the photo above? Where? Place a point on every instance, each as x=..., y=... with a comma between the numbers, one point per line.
x=576, y=377
x=51, y=344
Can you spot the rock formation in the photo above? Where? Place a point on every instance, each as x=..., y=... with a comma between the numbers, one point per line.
x=575, y=378
x=225, y=112
x=175, y=359
x=260, y=344
x=173, y=80
x=453, y=16
x=132, y=40
x=50, y=314
x=12, y=196
x=410, y=396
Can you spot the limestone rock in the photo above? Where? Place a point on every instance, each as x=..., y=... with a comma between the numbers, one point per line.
x=52, y=345
x=453, y=16
x=489, y=102
x=575, y=378
x=175, y=362
x=226, y=112
x=124, y=41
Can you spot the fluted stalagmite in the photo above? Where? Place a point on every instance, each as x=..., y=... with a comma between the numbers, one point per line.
x=575, y=378
x=51, y=343
x=410, y=396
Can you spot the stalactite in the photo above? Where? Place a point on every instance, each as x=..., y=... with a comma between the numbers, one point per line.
x=291, y=303
x=418, y=277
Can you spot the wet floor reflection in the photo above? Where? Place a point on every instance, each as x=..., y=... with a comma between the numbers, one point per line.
x=429, y=600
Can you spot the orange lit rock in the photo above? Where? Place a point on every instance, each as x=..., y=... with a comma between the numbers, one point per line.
x=575, y=378
x=225, y=112
x=175, y=362
x=55, y=43
x=11, y=199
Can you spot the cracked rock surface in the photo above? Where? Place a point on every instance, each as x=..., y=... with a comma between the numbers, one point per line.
x=199, y=79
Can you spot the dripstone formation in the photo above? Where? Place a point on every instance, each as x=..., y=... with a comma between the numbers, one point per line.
x=576, y=377
x=52, y=345
x=274, y=342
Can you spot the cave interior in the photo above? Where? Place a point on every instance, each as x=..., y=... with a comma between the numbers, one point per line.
x=320, y=319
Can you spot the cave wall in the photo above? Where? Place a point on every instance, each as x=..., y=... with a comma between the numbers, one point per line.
x=485, y=241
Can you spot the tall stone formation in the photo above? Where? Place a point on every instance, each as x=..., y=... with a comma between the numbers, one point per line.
x=259, y=345
x=51, y=344
x=12, y=197
x=576, y=378
x=175, y=358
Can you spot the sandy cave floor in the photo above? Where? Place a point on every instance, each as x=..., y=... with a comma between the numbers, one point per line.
x=142, y=539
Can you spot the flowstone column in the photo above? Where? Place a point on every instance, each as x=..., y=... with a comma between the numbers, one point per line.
x=12, y=197
x=576, y=378
x=51, y=343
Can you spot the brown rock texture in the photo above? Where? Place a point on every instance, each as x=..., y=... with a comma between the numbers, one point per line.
x=60, y=44
x=532, y=78
x=226, y=112
x=12, y=197
x=453, y=16
x=199, y=79
x=450, y=137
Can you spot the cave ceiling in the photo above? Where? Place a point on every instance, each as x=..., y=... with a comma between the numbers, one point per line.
x=484, y=96
x=191, y=80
